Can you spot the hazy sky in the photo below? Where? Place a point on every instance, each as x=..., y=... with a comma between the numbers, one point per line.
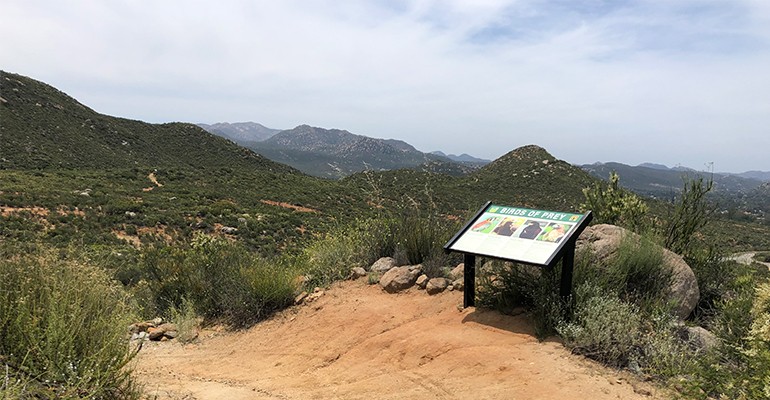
x=668, y=81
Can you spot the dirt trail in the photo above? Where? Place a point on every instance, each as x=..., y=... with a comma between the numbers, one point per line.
x=357, y=342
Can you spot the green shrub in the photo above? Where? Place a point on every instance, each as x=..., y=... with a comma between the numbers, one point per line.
x=62, y=330
x=741, y=368
x=603, y=327
x=692, y=212
x=223, y=281
x=611, y=204
x=637, y=273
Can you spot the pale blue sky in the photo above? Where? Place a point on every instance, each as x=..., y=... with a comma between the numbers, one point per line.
x=669, y=81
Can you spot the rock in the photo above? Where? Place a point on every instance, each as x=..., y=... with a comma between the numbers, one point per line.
x=417, y=268
x=422, y=280
x=140, y=327
x=317, y=293
x=698, y=337
x=436, y=285
x=458, y=272
x=604, y=240
x=229, y=230
x=450, y=288
x=157, y=321
x=155, y=333
x=384, y=264
x=130, y=214
x=357, y=272
x=398, y=279
x=171, y=334
x=459, y=284
x=159, y=332
x=300, y=298
x=167, y=327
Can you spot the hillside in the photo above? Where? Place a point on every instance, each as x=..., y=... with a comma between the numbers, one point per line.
x=115, y=180
x=406, y=346
x=335, y=153
x=43, y=128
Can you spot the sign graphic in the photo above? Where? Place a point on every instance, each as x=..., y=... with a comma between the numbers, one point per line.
x=517, y=234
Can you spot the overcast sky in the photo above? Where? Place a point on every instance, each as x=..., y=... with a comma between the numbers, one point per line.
x=677, y=82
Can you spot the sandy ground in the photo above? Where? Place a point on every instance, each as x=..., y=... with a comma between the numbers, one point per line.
x=358, y=342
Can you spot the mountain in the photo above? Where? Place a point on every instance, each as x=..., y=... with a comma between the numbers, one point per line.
x=758, y=175
x=43, y=128
x=657, y=180
x=530, y=176
x=335, y=153
x=243, y=133
x=463, y=158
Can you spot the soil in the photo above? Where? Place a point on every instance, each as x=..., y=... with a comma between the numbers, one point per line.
x=358, y=342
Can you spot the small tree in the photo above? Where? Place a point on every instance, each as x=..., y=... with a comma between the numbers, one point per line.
x=691, y=213
x=613, y=205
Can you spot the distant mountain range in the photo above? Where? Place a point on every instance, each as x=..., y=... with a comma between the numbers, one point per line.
x=745, y=195
x=243, y=133
x=336, y=153
x=464, y=158
x=657, y=180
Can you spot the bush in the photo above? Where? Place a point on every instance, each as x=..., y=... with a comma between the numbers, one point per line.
x=613, y=205
x=62, y=330
x=637, y=273
x=603, y=327
x=691, y=214
x=223, y=281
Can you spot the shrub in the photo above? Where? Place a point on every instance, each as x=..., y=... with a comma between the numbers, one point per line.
x=223, y=281
x=691, y=213
x=62, y=330
x=637, y=273
x=613, y=205
x=603, y=327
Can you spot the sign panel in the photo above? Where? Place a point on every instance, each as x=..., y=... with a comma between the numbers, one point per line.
x=517, y=234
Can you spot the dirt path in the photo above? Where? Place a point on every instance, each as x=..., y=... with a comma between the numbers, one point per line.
x=357, y=342
x=748, y=259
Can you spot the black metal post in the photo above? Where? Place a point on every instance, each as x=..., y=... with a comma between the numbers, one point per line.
x=567, y=265
x=469, y=278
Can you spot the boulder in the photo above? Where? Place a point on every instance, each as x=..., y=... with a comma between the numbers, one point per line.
x=459, y=283
x=604, y=240
x=436, y=285
x=457, y=272
x=422, y=280
x=357, y=272
x=699, y=338
x=384, y=264
x=398, y=279
x=229, y=230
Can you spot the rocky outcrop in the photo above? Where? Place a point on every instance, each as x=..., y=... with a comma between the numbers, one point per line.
x=604, y=240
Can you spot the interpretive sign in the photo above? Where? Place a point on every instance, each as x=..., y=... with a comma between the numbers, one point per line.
x=518, y=234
